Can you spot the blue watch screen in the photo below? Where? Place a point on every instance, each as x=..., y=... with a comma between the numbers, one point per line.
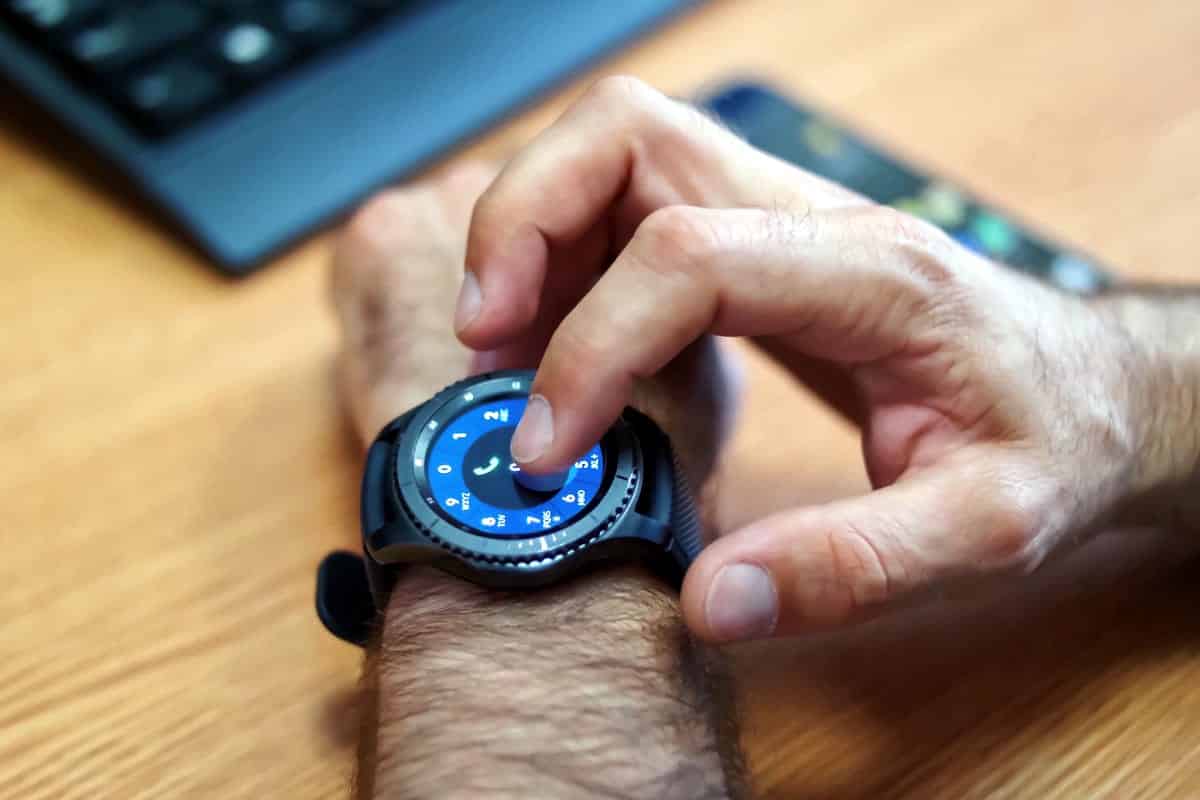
x=471, y=476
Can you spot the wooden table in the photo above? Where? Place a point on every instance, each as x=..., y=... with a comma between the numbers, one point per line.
x=174, y=464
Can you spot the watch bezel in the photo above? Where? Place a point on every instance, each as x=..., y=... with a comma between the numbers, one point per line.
x=618, y=489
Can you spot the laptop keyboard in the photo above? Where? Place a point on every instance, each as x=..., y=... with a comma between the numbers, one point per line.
x=163, y=64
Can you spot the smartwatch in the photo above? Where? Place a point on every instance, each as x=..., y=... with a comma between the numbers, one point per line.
x=441, y=488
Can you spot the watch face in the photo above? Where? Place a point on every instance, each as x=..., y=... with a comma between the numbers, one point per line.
x=451, y=475
x=473, y=481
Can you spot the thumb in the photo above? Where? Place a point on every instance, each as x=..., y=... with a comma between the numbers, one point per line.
x=823, y=566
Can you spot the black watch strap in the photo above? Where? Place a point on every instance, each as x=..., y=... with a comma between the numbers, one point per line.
x=351, y=587
x=345, y=604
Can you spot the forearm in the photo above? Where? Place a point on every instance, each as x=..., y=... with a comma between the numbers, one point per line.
x=590, y=689
x=1161, y=330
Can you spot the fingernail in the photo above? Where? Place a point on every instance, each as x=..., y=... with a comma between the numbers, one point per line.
x=470, y=300
x=741, y=603
x=535, y=431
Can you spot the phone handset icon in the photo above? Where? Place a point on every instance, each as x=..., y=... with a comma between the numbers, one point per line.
x=491, y=465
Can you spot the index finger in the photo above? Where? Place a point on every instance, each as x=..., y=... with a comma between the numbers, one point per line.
x=845, y=286
x=623, y=144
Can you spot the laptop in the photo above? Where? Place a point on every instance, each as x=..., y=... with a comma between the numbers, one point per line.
x=252, y=122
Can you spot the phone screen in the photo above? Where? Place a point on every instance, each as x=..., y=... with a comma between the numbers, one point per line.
x=820, y=145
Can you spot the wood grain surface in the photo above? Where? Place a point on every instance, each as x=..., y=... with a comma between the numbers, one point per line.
x=174, y=463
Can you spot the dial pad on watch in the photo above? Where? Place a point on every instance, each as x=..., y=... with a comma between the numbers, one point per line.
x=472, y=477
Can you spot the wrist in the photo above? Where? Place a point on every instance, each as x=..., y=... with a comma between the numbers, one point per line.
x=590, y=684
x=429, y=610
x=1157, y=356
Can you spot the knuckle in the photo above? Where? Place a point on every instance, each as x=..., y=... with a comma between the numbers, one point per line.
x=669, y=134
x=926, y=251
x=923, y=276
x=576, y=362
x=620, y=92
x=370, y=234
x=465, y=175
x=675, y=137
x=861, y=568
x=1009, y=536
x=570, y=353
x=369, y=227
x=659, y=127
x=677, y=239
x=362, y=244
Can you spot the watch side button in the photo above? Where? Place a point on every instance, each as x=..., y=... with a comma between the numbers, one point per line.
x=377, y=540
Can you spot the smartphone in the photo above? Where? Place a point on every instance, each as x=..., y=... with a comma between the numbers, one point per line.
x=819, y=144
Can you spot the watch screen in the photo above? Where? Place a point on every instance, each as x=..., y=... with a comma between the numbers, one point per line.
x=471, y=476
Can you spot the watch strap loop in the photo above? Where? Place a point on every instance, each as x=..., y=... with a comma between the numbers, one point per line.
x=345, y=604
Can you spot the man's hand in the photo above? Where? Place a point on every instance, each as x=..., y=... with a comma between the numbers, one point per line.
x=590, y=689
x=999, y=418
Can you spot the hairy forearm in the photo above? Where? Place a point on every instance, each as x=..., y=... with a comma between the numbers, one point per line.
x=590, y=689
x=1161, y=329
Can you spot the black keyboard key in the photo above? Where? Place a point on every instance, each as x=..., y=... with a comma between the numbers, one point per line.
x=249, y=50
x=163, y=64
x=52, y=16
x=172, y=92
x=136, y=33
x=315, y=23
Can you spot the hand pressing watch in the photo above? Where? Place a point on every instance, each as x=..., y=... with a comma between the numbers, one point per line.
x=587, y=687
